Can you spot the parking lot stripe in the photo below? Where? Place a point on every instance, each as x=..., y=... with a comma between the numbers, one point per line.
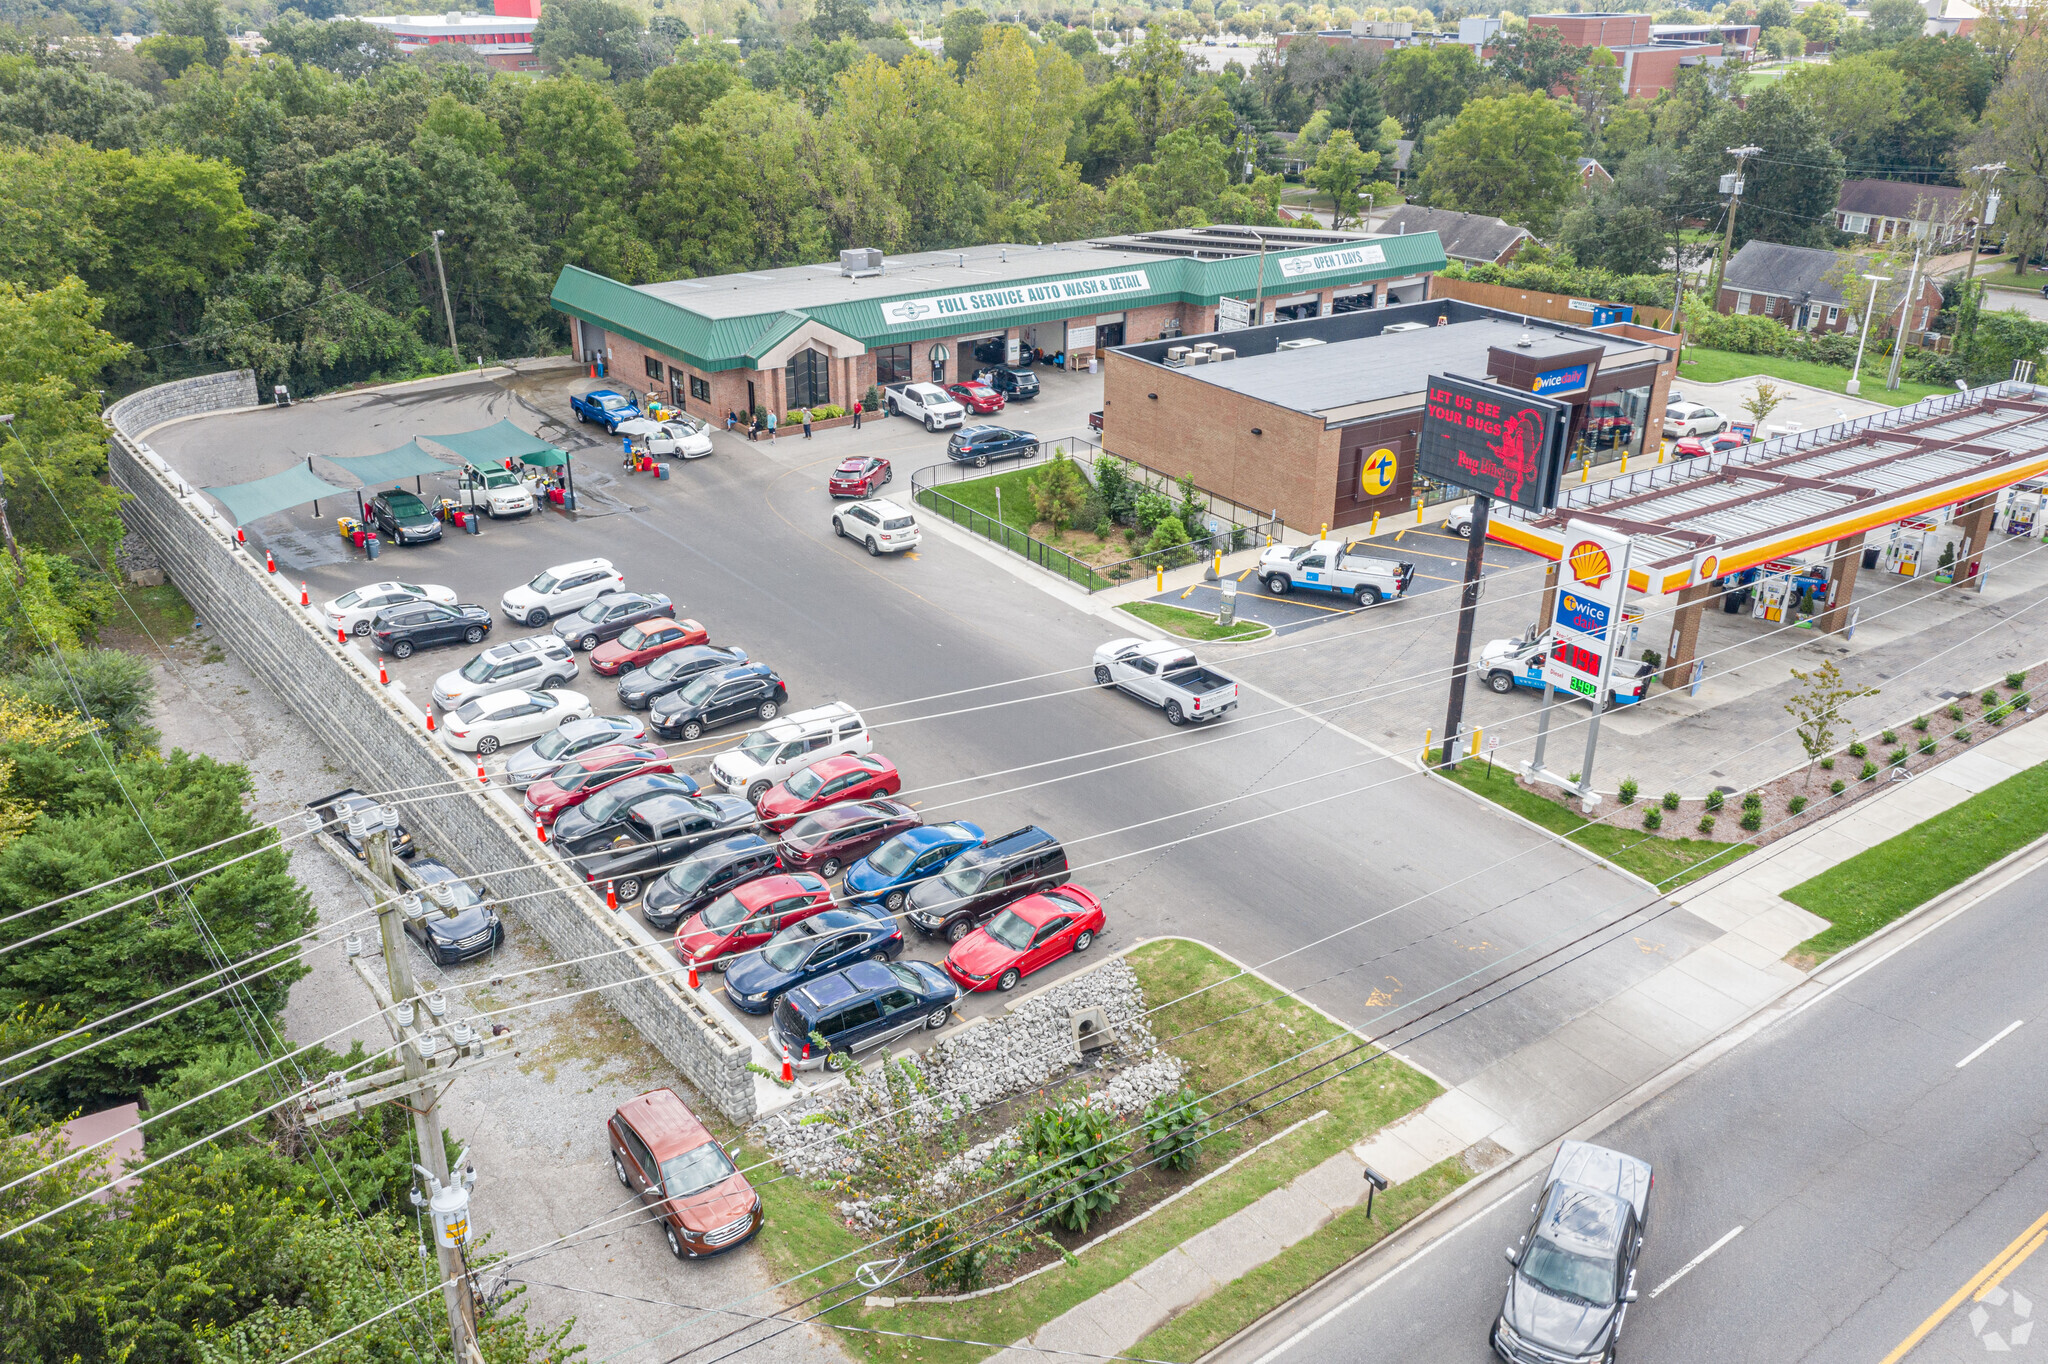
x=1695, y=1262
x=2003, y=1033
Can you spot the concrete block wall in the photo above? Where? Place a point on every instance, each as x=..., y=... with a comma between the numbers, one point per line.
x=186, y=398
x=378, y=735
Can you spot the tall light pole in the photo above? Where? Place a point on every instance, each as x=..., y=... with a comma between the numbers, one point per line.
x=1891, y=378
x=1259, y=298
x=1733, y=183
x=1984, y=192
x=447, y=308
x=1855, y=384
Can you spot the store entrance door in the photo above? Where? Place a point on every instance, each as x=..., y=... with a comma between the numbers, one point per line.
x=1109, y=334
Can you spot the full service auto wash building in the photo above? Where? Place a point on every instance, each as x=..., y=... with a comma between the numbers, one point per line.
x=809, y=335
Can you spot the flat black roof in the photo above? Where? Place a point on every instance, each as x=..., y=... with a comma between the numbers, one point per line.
x=1360, y=366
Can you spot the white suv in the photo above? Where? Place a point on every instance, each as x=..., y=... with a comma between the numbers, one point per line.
x=789, y=745
x=562, y=589
x=1691, y=419
x=495, y=492
x=885, y=527
x=534, y=664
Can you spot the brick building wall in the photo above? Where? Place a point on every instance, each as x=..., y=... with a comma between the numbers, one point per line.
x=1786, y=310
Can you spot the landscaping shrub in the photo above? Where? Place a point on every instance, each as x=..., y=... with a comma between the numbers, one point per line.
x=1996, y=717
x=1671, y=800
x=1837, y=786
x=1929, y=744
x=1714, y=801
x=1653, y=818
x=1753, y=801
x=1869, y=771
x=1150, y=508
x=1890, y=737
x=1169, y=544
x=1827, y=764
x=1113, y=484
x=1989, y=698
x=1706, y=824
x=1175, y=1125
x=1920, y=723
x=2022, y=701
x=1627, y=794
x=1898, y=757
x=1077, y=1149
x=2014, y=681
x=1955, y=713
x=1795, y=805
x=1752, y=820
x=1962, y=736
x=1859, y=749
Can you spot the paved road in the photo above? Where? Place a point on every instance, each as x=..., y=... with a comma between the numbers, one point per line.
x=742, y=541
x=1874, y=1178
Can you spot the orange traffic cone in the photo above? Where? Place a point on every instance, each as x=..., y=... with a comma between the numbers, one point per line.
x=340, y=635
x=481, y=779
x=611, y=897
x=383, y=676
x=305, y=597
x=788, y=1071
x=540, y=830
x=240, y=538
x=430, y=719
x=269, y=563
x=693, y=976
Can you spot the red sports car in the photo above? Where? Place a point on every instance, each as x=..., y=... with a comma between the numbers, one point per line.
x=840, y=835
x=645, y=642
x=576, y=781
x=827, y=783
x=747, y=916
x=979, y=399
x=859, y=476
x=1692, y=447
x=1033, y=932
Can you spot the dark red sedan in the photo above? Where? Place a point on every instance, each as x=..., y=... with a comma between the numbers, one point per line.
x=848, y=777
x=576, y=781
x=641, y=644
x=1692, y=447
x=1033, y=932
x=835, y=837
x=979, y=399
x=860, y=476
x=747, y=916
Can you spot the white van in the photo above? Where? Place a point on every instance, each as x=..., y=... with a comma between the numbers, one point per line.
x=788, y=745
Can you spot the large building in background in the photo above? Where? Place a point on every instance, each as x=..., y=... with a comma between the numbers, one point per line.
x=504, y=39
x=1650, y=61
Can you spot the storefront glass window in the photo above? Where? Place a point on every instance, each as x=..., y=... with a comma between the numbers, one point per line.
x=892, y=364
x=809, y=379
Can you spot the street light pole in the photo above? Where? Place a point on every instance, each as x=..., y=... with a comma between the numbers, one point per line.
x=1259, y=298
x=1976, y=240
x=1855, y=384
x=447, y=308
x=1891, y=378
x=1741, y=154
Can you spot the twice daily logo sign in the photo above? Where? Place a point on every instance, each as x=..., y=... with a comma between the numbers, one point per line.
x=1322, y=262
x=1089, y=289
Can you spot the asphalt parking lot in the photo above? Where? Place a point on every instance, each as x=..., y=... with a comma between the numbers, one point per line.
x=1276, y=832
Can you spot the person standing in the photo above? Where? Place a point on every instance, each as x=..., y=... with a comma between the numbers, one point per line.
x=807, y=423
x=771, y=428
x=856, y=401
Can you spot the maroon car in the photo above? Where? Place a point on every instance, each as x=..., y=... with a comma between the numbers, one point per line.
x=1095, y=420
x=977, y=398
x=839, y=835
x=859, y=476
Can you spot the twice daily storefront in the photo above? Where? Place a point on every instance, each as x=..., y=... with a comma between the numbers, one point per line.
x=807, y=336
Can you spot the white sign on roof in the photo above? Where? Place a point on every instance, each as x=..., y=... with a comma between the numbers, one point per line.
x=1322, y=262
x=923, y=312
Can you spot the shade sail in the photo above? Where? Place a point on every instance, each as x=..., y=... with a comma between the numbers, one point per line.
x=407, y=461
x=296, y=486
x=496, y=444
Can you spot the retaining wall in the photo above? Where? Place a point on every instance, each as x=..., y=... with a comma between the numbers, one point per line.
x=380, y=736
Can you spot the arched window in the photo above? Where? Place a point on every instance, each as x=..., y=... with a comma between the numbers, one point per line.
x=809, y=379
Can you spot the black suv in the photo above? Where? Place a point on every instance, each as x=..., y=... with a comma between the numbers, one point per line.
x=982, y=880
x=402, y=518
x=1574, y=1273
x=656, y=834
x=1019, y=385
x=609, y=616
x=455, y=920
x=705, y=875
x=639, y=688
x=716, y=698
x=423, y=624
x=590, y=825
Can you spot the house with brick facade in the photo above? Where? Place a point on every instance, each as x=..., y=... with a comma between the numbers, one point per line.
x=1884, y=209
x=1650, y=61
x=1800, y=286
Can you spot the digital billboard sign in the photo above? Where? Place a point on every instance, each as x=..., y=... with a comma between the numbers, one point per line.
x=1494, y=440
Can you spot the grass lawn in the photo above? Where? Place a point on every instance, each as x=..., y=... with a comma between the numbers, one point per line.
x=1875, y=887
x=1193, y=624
x=1664, y=862
x=163, y=610
x=1721, y=366
x=2001, y=275
x=973, y=503
x=802, y=1229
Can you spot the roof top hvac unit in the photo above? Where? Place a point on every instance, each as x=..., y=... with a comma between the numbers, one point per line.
x=860, y=261
x=1300, y=343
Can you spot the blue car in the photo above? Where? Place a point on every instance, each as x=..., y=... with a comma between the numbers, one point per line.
x=887, y=874
x=860, y=1007
x=605, y=407
x=808, y=949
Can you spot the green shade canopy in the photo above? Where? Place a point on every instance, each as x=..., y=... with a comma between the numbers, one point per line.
x=296, y=486
x=407, y=461
x=496, y=444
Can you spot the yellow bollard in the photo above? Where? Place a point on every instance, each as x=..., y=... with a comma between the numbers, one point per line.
x=1159, y=583
x=1375, y=524
x=1585, y=471
x=1475, y=742
x=1624, y=461
x=1660, y=452
x=1324, y=533
x=1219, y=563
x=1427, y=735
x=1269, y=540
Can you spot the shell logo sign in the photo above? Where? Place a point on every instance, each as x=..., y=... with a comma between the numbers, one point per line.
x=1590, y=564
x=1707, y=569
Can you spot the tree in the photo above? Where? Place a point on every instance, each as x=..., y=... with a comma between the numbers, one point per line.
x=347, y=47
x=1340, y=172
x=1774, y=14
x=1790, y=189
x=1817, y=708
x=836, y=19
x=1785, y=42
x=2001, y=338
x=1764, y=399
x=1356, y=108
x=602, y=30
x=2015, y=131
x=1822, y=22
x=1894, y=21
x=1422, y=83
x=175, y=225
x=960, y=36
x=1511, y=156
x=1851, y=98
x=1537, y=59
x=1058, y=492
x=199, y=19
x=573, y=148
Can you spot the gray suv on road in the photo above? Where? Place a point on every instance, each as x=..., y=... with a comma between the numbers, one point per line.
x=1574, y=1272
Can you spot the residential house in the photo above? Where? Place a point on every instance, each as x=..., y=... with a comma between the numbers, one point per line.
x=1800, y=286
x=1884, y=209
x=1469, y=237
x=1592, y=173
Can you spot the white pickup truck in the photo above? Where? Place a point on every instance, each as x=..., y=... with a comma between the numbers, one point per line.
x=1331, y=566
x=928, y=403
x=1164, y=674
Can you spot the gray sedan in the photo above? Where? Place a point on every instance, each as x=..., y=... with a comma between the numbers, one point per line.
x=577, y=737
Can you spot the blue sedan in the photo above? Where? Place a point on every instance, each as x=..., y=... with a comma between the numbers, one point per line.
x=888, y=873
x=808, y=949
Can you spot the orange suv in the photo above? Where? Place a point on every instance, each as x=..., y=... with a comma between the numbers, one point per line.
x=662, y=1152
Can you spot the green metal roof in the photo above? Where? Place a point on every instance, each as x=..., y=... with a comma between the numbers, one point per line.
x=738, y=339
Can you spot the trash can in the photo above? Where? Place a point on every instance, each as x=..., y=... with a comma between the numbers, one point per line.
x=473, y=524
x=1870, y=558
x=661, y=473
x=358, y=536
x=370, y=546
x=555, y=496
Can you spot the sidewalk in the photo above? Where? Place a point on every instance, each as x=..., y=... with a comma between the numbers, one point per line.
x=1527, y=1100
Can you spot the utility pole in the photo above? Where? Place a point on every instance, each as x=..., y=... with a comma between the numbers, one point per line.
x=447, y=308
x=1855, y=384
x=1891, y=378
x=1468, y=610
x=7, y=527
x=1984, y=193
x=1732, y=184
x=434, y=1050
x=1259, y=294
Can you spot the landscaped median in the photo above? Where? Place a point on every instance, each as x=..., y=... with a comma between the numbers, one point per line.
x=1285, y=1089
x=1194, y=624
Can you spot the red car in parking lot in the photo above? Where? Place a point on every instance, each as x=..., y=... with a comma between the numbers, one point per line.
x=847, y=777
x=859, y=476
x=575, y=782
x=979, y=399
x=747, y=916
x=1031, y=933
x=641, y=644
x=840, y=835
x=1692, y=447
x=660, y=1151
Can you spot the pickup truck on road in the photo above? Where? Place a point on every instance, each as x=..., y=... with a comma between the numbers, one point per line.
x=1162, y=673
x=604, y=406
x=1332, y=566
x=927, y=403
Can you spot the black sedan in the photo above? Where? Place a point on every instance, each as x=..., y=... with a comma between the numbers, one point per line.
x=337, y=808
x=448, y=916
x=423, y=624
x=599, y=820
x=402, y=518
x=977, y=445
x=705, y=875
x=658, y=834
x=609, y=617
x=718, y=698
x=639, y=688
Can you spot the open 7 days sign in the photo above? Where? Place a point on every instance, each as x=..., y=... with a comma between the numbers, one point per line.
x=1089, y=289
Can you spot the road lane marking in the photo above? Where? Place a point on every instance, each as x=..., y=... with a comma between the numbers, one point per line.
x=2004, y=1033
x=1695, y=1262
x=2021, y=1246
x=1991, y=1284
